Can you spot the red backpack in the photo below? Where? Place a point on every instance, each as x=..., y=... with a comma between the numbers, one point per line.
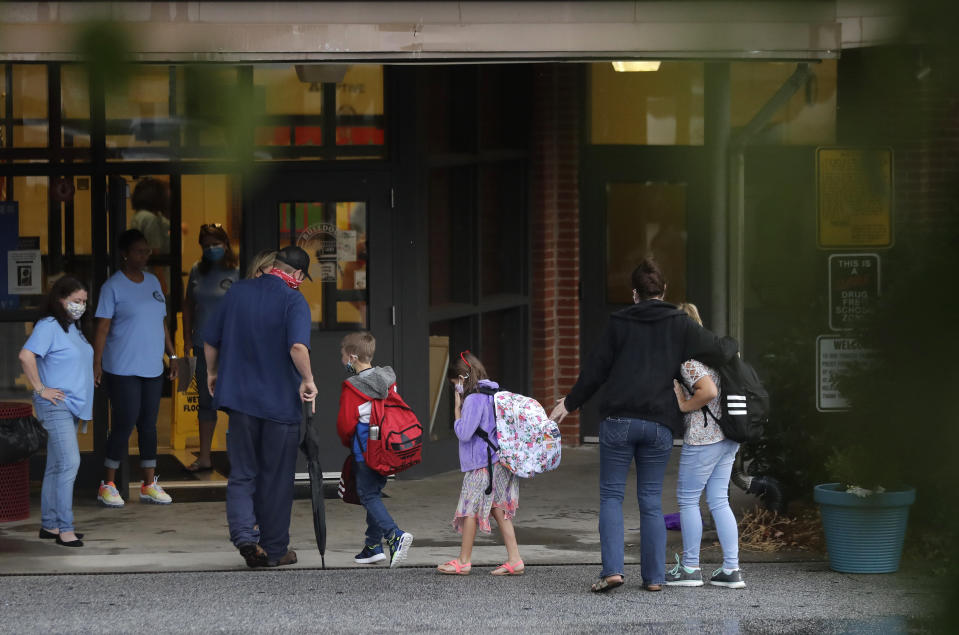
x=396, y=436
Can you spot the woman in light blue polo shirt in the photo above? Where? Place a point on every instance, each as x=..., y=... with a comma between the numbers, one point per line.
x=128, y=351
x=58, y=362
x=209, y=281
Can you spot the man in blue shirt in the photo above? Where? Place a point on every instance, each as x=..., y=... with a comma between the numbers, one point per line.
x=258, y=370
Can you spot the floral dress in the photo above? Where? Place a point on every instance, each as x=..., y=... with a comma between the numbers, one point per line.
x=696, y=432
x=475, y=502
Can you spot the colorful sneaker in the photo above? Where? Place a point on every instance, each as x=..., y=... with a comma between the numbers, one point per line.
x=370, y=555
x=399, y=544
x=108, y=495
x=729, y=579
x=153, y=493
x=681, y=575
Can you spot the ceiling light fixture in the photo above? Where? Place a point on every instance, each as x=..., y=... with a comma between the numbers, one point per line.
x=636, y=66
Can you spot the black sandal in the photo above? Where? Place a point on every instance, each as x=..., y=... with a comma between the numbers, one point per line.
x=605, y=584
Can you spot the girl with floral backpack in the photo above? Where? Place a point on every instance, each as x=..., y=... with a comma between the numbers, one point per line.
x=474, y=411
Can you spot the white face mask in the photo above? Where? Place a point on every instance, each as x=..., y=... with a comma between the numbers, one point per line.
x=458, y=388
x=76, y=309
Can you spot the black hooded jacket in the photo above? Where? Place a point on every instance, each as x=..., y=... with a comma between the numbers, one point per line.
x=638, y=358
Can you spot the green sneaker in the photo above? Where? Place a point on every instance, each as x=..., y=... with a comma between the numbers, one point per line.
x=681, y=575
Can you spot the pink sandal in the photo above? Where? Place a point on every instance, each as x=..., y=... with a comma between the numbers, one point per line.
x=507, y=569
x=458, y=568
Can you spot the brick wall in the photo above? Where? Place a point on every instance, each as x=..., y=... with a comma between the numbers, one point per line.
x=906, y=98
x=554, y=223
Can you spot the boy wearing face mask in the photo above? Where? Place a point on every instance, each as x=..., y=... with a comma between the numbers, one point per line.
x=209, y=281
x=366, y=383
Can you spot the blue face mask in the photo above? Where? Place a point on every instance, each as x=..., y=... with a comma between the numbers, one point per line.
x=214, y=254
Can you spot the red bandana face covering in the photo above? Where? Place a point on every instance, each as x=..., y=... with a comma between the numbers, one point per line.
x=290, y=281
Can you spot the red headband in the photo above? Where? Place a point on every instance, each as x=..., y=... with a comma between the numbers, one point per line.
x=463, y=357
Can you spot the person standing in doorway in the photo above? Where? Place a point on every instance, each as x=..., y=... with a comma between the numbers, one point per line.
x=151, y=204
x=258, y=371
x=58, y=362
x=637, y=359
x=209, y=281
x=131, y=336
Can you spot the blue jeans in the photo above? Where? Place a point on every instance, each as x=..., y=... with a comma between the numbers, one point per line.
x=369, y=489
x=259, y=490
x=620, y=441
x=63, y=461
x=135, y=402
x=709, y=467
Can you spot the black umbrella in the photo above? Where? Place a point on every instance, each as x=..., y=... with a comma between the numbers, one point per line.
x=311, y=448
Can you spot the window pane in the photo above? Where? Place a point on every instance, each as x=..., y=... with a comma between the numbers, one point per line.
x=645, y=219
x=503, y=353
x=30, y=105
x=139, y=126
x=75, y=106
x=808, y=118
x=504, y=245
x=664, y=107
x=504, y=106
x=334, y=234
x=201, y=90
x=450, y=236
x=359, y=107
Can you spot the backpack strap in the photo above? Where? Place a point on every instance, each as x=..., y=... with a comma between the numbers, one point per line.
x=490, y=447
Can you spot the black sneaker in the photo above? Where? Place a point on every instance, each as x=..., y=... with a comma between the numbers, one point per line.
x=399, y=544
x=731, y=580
x=254, y=555
x=681, y=575
x=371, y=554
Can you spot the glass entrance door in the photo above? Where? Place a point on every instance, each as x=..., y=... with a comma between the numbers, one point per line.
x=343, y=221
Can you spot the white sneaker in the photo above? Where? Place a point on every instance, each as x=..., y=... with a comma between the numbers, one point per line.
x=108, y=495
x=153, y=493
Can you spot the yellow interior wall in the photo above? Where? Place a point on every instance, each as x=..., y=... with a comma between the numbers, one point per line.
x=205, y=198
x=31, y=192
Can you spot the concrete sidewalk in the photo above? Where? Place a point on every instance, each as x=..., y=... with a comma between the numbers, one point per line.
x=556, y=524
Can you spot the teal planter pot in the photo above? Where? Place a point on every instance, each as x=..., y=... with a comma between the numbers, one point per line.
x=863, y=535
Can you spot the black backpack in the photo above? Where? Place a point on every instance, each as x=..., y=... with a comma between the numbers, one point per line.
x=744, y=400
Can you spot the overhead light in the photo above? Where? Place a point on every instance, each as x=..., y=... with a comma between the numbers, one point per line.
x=636, y=66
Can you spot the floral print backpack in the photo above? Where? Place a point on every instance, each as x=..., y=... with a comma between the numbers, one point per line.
x=528, y=441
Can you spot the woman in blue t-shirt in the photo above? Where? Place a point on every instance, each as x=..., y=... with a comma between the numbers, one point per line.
x=58, y=362
x=208, y=282
x=128, y=351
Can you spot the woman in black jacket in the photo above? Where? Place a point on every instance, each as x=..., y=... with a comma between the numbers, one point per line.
x=637, y=359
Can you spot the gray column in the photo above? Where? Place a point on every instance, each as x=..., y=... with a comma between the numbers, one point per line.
x=716, y=85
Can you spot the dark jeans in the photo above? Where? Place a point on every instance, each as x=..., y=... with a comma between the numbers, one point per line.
x=134, y=402
x=204, y=411
x=260, y=488
x=369, y=488
x=649, y=443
